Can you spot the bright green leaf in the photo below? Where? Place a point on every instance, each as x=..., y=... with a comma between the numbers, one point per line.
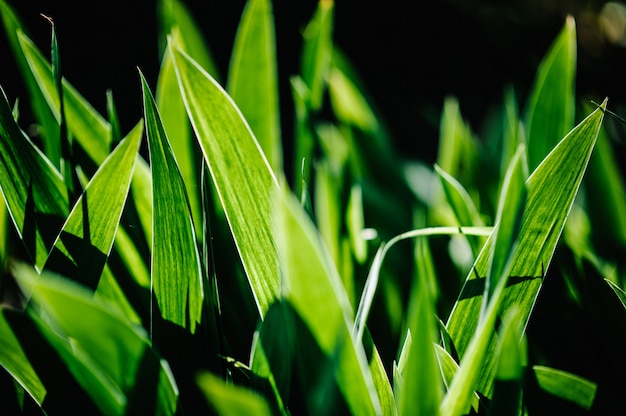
x=176, y=273
x=240, y=172
x=550, y=109
x=83, y=245
x=551, y=191
x=231, y=400
x=253, y=78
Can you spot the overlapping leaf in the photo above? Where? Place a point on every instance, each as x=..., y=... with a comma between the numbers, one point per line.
x=240, y=172
x=176, y=275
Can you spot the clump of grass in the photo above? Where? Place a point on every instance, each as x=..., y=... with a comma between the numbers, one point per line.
x=198, y=277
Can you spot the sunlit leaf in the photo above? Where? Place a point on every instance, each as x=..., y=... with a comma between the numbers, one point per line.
x=550, y=109
x=552, y=188
x=231, y=400
x=176, y=274
x=83, y=245
x=242, y=176
x=32, y=188
x=253, y=78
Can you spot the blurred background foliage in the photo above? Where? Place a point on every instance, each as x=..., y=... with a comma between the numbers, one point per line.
x=409, y=54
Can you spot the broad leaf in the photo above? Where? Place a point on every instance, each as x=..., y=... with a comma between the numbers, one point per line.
x=110, y=362
x=566, y=385
x=176, y=274
x=240, y=172
x=313, y=287
x=253, y=78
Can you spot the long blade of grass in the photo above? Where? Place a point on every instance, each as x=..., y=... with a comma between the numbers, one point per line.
x=550, y=109
x=552, y=188
x=253, y=78
x=15, y=362
x=13, y=26
x=176, y=271
x=176, y=124
x=83, y=245
x=110, y=362
x=317, y=52
x=504, y=239
x=313, y=287
x=240, y=172
x=421, y=390
x=32, y=188
x=93, y=134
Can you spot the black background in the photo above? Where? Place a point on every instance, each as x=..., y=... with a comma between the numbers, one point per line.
x=409, y=54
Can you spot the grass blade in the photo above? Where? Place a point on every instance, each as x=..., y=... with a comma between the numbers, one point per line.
x=231, y=400
x=551, y=191
x=566, y=385
x=32, y=188
x=82, y=247
x=550, y=109
x=109, y=362
x=253, y=78
x=176, y=272
x=240, y=171
x=15, y=362
x=313, y=287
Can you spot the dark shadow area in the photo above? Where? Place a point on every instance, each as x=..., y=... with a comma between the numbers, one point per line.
x=85, y=261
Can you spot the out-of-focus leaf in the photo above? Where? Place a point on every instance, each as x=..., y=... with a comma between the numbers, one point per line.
x=110, y=362
x=551, y=191
x=231, y=400
x=313, y=287
x=253, y=78
x=462, y=205
x=32, y=188
x=242, y=176
x=15, y=362
x=550, y=109
x=328, y=211
x=566, y=385
x=176, y=274
x=317, y=52
x=83, y=245
x=511, y=360
x=174, y=16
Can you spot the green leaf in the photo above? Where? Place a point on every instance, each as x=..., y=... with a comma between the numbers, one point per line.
x=93, y=134
x=421, y=390
x=176, y=272
x=550, y=109
x=108, y=363
x=313, y=287
x=449, y=368
x=15, y=362
x=317, y=52
x=231, y=400
x=32, y=188
x=50, y=126
x=511, y=361
x=83, y=245
x=566, y=385
x=462, y=206
x=174, y=16
x=551, y=191
x=240, y=172
x=253, y=78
